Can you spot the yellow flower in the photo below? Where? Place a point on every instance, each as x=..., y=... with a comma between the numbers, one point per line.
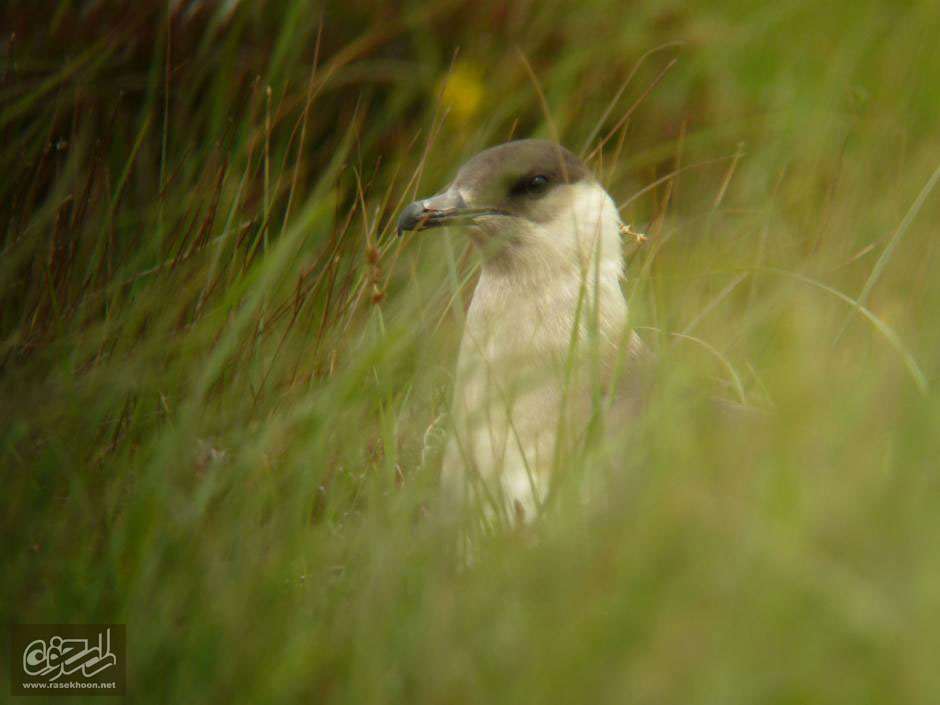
x=462, y=91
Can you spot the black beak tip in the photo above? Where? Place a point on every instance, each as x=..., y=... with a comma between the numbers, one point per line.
x=410, y=218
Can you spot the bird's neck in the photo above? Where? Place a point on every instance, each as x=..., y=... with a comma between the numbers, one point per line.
x=549, y=280
x=542, y=264
x=545, y=305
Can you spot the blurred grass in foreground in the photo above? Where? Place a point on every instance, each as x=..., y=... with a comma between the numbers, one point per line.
x=222, y=375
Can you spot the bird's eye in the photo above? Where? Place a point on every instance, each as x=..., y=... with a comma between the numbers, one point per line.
x=533, y=186
x=537, y=183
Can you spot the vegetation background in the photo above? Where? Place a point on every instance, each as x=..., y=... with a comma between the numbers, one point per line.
x=224, y=379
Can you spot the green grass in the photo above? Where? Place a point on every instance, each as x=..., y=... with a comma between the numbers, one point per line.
x=222, y=378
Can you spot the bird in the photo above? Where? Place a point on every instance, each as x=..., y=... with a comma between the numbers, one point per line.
x=547, y=319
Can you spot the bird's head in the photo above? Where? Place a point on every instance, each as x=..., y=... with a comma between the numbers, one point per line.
x=526, y=203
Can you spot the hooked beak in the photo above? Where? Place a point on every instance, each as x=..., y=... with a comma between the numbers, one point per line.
x=445, y=208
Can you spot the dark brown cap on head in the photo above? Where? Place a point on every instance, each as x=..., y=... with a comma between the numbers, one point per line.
x=523, y=158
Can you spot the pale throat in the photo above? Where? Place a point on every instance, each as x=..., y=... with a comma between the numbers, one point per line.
x=580, y=243
x=531, y=297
